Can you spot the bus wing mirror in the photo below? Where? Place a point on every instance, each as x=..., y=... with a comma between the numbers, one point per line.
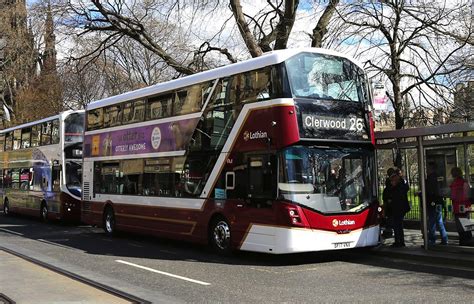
x=230, y=180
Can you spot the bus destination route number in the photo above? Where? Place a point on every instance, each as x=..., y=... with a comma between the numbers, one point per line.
x=353, y=124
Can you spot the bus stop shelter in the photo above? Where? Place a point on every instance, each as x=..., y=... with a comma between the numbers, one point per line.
x=449, y=144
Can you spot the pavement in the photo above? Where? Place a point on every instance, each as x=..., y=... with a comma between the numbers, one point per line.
x=25, y=282
x=451, y=254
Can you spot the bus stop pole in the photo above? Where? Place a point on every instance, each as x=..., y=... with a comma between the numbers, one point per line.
x=421, y=174
x=466, y=162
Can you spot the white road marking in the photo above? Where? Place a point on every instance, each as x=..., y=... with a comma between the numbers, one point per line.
x=11, y=225
x=163, y=273
x=10, y=231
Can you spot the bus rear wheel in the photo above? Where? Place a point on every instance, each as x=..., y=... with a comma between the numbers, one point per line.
x=6, y=208
x=219, y=236
x=109, y=221
x=44, y=212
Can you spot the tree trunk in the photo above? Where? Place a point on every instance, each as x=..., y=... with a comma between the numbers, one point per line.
x=247, y=35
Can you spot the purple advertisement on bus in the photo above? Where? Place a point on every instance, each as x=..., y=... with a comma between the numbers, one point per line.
x=164, y=137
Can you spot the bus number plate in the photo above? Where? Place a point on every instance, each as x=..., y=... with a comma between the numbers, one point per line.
x=342, y=245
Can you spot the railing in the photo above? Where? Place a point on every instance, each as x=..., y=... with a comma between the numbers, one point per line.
x=415, y=202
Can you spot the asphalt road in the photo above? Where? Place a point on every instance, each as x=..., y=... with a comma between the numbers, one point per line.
x=167, y=271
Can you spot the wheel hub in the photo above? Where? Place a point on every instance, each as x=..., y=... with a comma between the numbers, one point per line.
x=222, y=235
x=108, y=222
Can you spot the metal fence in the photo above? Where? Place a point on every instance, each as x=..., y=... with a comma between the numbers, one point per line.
x=415, y=202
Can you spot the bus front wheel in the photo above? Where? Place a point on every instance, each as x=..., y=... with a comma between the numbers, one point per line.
x=109, y=221
x=6, y=208
x=219, y=236
x=44, y=212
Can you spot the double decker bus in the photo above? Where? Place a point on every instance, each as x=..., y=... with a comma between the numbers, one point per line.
x=41, y=165
x=273, y=154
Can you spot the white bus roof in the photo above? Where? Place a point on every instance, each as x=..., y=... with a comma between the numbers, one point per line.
x=28, y=124
x=267, y=59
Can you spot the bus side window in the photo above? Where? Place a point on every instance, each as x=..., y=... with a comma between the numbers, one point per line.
x=44, y=183
x=55, y=178
x=17, y=139
x=35, y=135
x=46, y=133
x=24, y=179
x=8, y=141
x=55, y=131
x=2, y=142
x=95, y=119
x=25, y=138
x=138, y=111
x=7, y=178
x=36, y=179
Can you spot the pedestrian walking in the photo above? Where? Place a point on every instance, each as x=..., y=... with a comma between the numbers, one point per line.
x=397, y=199
x=460, y=198
x=434, y=203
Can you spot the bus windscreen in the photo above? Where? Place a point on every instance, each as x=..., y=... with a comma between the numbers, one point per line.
x=328, y=180
x=324, y=76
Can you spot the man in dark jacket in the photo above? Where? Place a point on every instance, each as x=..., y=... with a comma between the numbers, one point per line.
x=434, y=203
x=399, y=206
x=388, y=231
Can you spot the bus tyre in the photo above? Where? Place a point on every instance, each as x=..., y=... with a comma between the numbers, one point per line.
x=219, y=236
x=109, y=221
x=6, y=208
x=44, y=212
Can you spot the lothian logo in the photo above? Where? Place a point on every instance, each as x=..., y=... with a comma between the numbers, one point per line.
x=254, y=135
x=246, y=135
x=336, y=222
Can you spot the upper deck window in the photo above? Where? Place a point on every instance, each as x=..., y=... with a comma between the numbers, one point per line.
x=25, y=138
x=251, y=86
x=325, y=77
x=35, y=135
x=113, y=116
x=46, y=128
x=16, y=139
x=74, y=127
x=95, y=119
x=191, y=99
x=55, y=132
x=133, y=111
x=159, y=107
x=2, y=142
x=8, y=141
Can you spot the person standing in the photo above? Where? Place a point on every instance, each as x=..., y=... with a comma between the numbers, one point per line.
x=388, y=231
x=399, y=206
x=459, y=196
x=434, y=204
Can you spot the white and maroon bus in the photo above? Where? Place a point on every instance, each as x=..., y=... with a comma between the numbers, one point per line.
x=273, y=154
x=41, y=165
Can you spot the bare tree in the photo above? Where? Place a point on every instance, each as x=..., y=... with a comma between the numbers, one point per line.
x=266, y=29
x=17, y=58
x=409, y=51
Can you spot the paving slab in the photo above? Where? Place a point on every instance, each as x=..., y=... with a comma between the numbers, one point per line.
x=25, y=282
x=451, y=254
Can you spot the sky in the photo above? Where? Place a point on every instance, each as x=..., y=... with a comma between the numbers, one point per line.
x=218, y=26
